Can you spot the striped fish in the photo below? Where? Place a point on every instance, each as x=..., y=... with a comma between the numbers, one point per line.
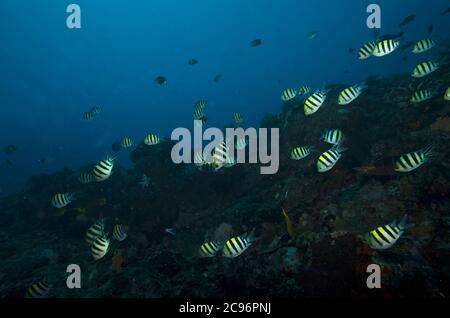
x=366, y=50
x=100, y=247
x=385, y=236
x=126, y=142
x=103, y=169
x=201, y=104
x=152, y=139
x=60, y=200
x=447, y=94
x=421, y=96
x=351, y=93
x=199, y=114
x=237, y=118
x=96, y=110
x=237, y=245
x=413, y=160
x=314, y=102
x=96, y=230
x=209, y=249
x=88, y=116
x=332, y=136
x=220, y=154
x=425, y=68
x=303, y=90
x=423, y=46
x=288, y=94
x=385, y=47
x=38, y=290
x=120, y=232
x=300, y=152
x=86, y=177
x=241, y=143
x=329, y=158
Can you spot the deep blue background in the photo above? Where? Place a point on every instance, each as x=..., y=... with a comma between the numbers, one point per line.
x=49, y=74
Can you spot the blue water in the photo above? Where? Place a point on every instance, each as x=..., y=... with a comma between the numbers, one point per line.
x=50, y=75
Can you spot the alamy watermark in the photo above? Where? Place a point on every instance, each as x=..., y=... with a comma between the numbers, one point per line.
x=257, y=140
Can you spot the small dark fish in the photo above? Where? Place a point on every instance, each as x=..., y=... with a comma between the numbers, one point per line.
x=391, y=36
x=193, y=61
x=160, y=80
x=9, y=162
x=447, y=11
x=406, y=46
x=430, y=29
x=351, y=50
x=218, y=77
x=405, y=58
x=346, y=71
x=256, y=42
x=10, y=149
x=407, y=20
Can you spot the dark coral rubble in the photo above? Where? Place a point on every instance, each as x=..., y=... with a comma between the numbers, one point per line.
x=330, y=212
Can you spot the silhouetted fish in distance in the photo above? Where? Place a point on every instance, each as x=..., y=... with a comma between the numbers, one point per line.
x=256, y=42
x=407, y=20
x=193, y=61
x=160, y=80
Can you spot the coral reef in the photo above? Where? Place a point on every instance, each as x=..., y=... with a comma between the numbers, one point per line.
x=317, y=251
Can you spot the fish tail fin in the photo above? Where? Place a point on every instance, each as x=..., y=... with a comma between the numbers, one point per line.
x=339, y=148
x=403, y=225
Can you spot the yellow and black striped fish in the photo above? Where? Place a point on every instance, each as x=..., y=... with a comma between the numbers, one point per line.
x=60, y=200
x=241, y=143
x=96, y=230
x=220, y=154
x=152, y=139
x=314, y=102
x=351, y=93
x=300, y=152
x=38, y=290
x=209, y=249
x=385, y=236
x=425, y=68
x=385, y=47
x=447, y=94
x=422, y=95
x=100, y=247
x=237, y=245
x=423, y=46
x=237, y=118
x=86, y=177
x=88, y=116
x=288, y=94
x=199, y=114
x=366, y=50
x=103, y=169
x=120, y=232
x=303, y=90
x=201, y=104
x=126, y=142
x=413, y=160
x=333, y=136
x=329, y=158
x=96, y=110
